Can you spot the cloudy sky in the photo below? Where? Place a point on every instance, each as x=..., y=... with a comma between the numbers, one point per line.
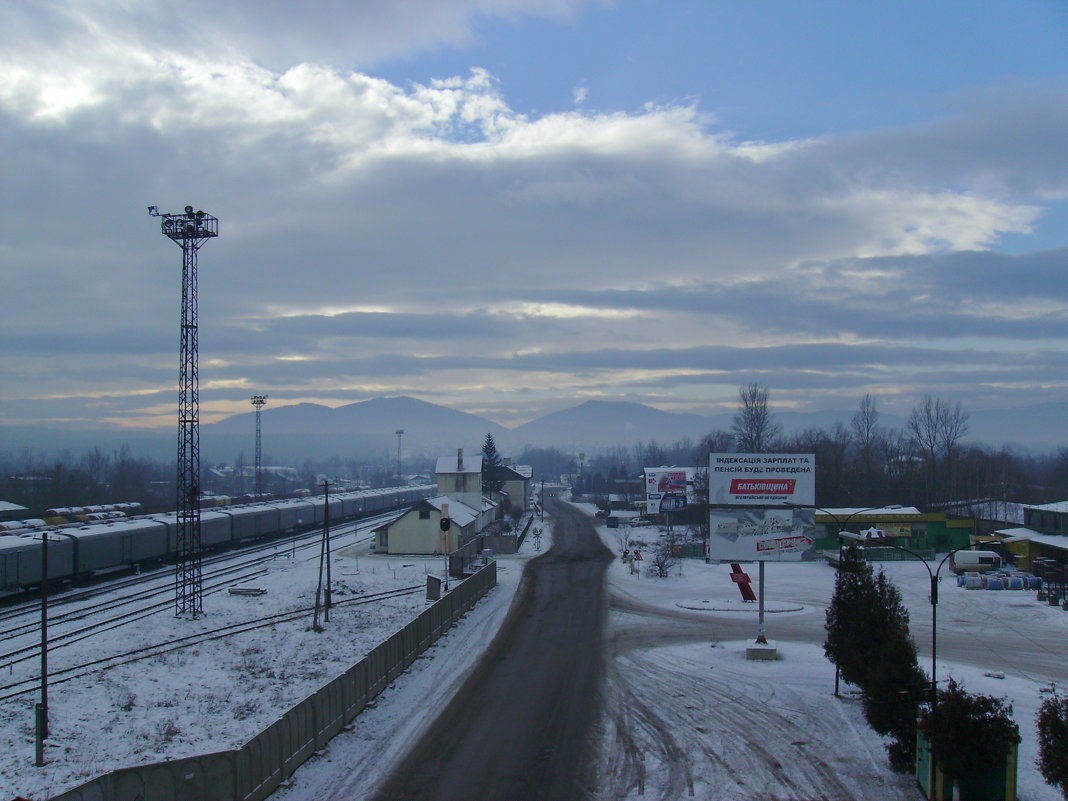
x=511, y=206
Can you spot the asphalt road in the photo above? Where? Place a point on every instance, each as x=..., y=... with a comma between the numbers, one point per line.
x=521, y=727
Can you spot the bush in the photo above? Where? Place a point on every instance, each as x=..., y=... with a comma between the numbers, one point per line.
x=969, y=732
x=1052, y=724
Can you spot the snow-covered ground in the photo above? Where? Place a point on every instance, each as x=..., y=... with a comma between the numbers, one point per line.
x=1006, y=632
x=712, y=703
x=210, y=697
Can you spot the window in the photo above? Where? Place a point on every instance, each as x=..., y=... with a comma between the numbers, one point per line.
x=424, y=514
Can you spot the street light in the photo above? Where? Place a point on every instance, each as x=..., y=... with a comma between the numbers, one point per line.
x=934, y=575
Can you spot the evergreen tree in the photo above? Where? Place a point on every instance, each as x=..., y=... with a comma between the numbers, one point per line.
x=868, y=639
x=492, y=481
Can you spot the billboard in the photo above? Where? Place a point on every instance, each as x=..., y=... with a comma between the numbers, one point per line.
x=668, y=489
x=761, y=479
x=750, y=496
x=752, y=534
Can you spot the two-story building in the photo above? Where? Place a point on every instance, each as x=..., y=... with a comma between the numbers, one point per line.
x=459, y=498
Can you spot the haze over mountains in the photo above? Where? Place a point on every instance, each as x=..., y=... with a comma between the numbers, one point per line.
x=367, y=429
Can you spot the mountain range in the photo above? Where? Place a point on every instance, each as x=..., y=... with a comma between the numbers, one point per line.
x=367, y=430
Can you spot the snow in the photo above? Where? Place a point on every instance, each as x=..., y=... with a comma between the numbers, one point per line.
x=210, y=697
x=708, y=695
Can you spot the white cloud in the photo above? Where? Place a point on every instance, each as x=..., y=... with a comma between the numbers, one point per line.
x=341, y=194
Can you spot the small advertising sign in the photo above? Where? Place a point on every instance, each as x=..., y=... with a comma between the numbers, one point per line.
x=668, y=489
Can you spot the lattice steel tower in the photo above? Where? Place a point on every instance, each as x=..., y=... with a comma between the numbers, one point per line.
x=400, y=433
x=189, y=230
x=258, y=401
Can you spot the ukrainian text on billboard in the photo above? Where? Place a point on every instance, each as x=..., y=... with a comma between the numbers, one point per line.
x=761, y=479
x=752, y=498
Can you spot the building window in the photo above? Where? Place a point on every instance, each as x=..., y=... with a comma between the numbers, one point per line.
x=424, y=514
x=383, y=538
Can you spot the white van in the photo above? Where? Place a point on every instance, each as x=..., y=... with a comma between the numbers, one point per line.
x=974, y=561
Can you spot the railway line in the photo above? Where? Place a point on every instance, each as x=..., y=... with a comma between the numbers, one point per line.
x=109, y=606
x=92, y=667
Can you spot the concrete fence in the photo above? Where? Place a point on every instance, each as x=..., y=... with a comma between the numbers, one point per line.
x=255, y=770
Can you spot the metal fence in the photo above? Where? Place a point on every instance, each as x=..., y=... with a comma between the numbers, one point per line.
x=255, y=770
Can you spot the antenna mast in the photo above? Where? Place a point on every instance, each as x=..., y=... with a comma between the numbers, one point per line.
x=189, y=230
x=258, y=402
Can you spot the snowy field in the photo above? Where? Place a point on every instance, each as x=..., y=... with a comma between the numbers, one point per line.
x=210, y=697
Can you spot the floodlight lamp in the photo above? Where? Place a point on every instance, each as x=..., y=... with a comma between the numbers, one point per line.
x=153, y=210
x=188, y=209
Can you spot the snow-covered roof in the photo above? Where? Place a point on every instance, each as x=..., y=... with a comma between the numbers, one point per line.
x=1059, y=506
x=862, y=511
x=447, y=464
x=459, y=513
x=1025, y=534
x=8, y=506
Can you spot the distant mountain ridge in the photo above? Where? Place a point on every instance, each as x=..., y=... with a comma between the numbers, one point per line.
x=366, y=430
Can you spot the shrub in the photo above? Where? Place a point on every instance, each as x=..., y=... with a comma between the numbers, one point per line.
x=969, y=732
x=1052, y=724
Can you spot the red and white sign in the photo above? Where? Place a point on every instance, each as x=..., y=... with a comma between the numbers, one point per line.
x=761, y=479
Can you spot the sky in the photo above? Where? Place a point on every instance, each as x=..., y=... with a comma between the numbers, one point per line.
x=512, y=206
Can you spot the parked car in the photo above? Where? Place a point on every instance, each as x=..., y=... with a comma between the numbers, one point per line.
x=641, y=521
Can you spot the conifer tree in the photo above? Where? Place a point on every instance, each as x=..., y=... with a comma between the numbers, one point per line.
x=491, y=463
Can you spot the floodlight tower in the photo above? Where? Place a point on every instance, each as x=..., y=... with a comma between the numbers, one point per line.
x=258, y=402
x=189, y=230
x=400, y=433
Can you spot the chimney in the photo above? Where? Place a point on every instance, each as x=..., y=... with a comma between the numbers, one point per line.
x=459, y=460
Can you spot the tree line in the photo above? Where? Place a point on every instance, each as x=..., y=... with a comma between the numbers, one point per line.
x=863, y=463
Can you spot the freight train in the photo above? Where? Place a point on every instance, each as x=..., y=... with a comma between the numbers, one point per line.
x=78, y=551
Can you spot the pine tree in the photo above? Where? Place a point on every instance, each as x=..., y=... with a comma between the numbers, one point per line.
x=492, y=481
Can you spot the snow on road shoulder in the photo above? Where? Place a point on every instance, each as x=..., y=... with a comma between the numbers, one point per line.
x=360, y=758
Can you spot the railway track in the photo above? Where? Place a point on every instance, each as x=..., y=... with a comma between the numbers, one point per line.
x=231, y=568
x=31, y=683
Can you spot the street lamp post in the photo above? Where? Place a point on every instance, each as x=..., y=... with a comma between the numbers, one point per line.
x=934, y=576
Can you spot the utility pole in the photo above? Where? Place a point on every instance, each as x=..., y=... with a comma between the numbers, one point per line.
x=189, y=230
x=41, y=722
x=324, y=559
x=400, y=433
x=258, y=402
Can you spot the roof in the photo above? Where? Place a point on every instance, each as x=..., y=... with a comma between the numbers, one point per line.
x=1059, y=506
x=8, y=506
x=459, y=513
x=510, y=472
x=447, y=464
x=1027, y=534
x=862, y=512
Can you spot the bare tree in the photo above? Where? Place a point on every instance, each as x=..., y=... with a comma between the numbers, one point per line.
x=755, y=428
